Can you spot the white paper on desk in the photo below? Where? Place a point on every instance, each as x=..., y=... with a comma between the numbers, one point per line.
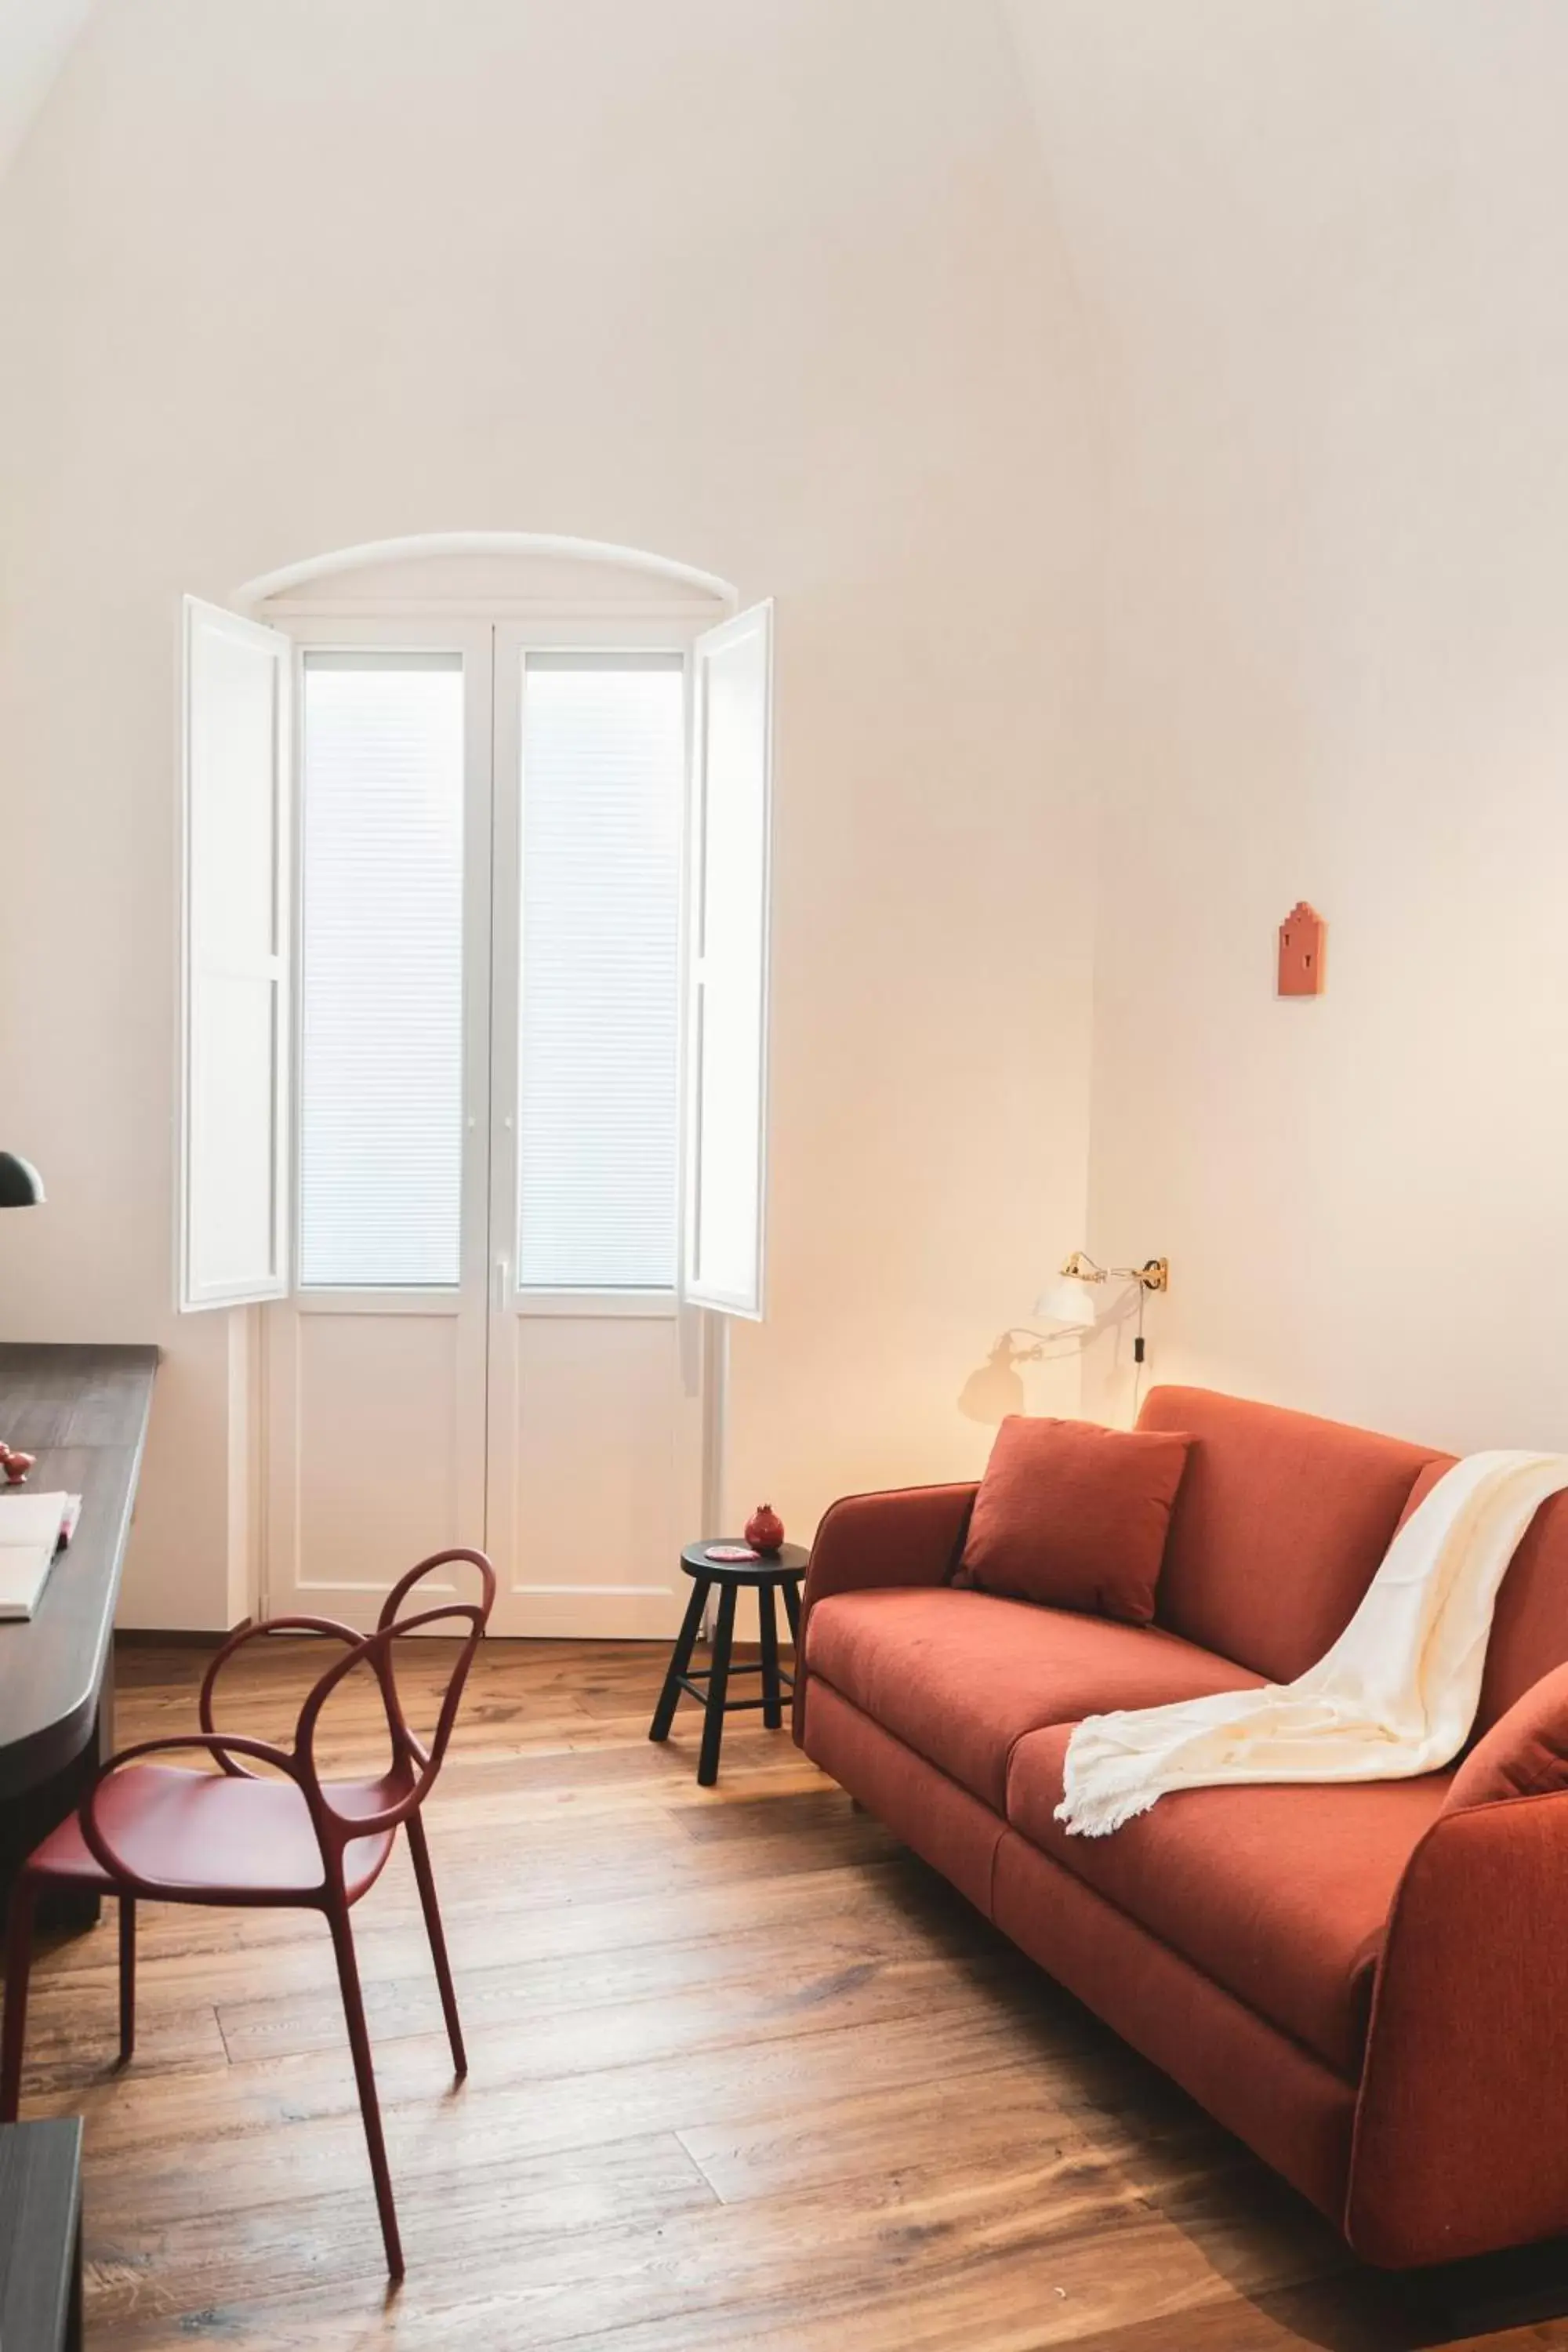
x=31, y=1528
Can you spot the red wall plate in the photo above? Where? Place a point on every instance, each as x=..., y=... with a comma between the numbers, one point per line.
x=1303, y=937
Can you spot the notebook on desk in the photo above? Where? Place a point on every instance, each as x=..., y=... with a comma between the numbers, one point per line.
x=33, y=1527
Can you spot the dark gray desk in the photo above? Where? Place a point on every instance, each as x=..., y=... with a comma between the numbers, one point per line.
x=40, y=2236
x=83, y=1411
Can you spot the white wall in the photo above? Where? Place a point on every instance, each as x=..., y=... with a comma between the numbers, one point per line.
x=776, y=290
x=1324, y=242
x=36, y=39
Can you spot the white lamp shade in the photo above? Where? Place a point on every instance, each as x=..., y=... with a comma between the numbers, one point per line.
x=1068, y=1303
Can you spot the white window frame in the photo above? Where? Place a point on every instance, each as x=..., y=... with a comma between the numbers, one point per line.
x=496, y=635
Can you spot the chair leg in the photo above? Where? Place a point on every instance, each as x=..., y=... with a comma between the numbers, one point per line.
x=718, y=1689
x=364, y=2074
x=679, y=1659
x=127, y=1977
x=419, y=1845
x=19, y=1964
x=773, y=1690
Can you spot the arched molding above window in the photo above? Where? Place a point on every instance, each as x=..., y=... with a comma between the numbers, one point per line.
x=477, y=571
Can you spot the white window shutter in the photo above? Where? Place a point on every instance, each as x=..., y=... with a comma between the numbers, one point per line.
x=725, y=1171
x=234, y=1156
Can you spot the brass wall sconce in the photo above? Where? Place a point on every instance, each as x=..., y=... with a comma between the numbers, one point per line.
x=1069, y=1301
x=1063, y=1303
x=995, y=1390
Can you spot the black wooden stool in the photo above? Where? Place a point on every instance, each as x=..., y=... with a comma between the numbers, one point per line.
x=768, y=1572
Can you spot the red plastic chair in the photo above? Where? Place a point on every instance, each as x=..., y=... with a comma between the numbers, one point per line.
x=177, y=1835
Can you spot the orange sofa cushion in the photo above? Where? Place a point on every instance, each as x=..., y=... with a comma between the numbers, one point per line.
x=1074, y=1515
x=960, y=1676
x=1525, y=1754
x=1279, y=1527
x=1281, y=1895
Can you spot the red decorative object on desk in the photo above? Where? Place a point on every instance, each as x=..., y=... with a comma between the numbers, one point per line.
x=15, y=1464
x=764, y=1528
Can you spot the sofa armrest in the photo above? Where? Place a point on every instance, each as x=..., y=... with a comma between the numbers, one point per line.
x=1459, y=2140
x=908, y=1535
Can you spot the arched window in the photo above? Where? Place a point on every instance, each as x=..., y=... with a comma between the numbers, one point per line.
x=476, y=863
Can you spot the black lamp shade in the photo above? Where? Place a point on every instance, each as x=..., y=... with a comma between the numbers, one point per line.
x=21, y=1186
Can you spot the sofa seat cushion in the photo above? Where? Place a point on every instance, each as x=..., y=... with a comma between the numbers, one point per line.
x=1280, y=1893
x=960, y=1676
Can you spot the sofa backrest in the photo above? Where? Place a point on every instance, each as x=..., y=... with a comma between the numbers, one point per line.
x=1530, y=1626
x=1279, y=1526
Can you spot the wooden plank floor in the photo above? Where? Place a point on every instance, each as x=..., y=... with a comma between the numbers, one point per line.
x=744, y=2073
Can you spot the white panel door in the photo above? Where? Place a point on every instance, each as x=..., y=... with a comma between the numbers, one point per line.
x=376, y=1363
x=485, y=1344
x=596, y=1405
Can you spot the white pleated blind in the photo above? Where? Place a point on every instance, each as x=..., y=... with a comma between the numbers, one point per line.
x=381, y=1092
x=603, y=760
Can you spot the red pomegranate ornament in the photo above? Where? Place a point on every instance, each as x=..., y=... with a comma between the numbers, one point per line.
x=764, y=1528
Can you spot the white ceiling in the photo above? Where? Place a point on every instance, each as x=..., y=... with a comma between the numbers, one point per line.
x=35, y=37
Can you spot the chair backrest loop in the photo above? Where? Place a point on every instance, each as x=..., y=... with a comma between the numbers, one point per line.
x=411, y=1757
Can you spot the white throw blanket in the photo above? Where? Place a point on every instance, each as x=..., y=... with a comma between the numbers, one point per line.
x=1395, y=1695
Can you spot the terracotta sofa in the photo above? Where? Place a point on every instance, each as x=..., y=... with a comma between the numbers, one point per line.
x=1369, y=1983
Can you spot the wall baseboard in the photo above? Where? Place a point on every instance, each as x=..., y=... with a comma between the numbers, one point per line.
x=147, y=1637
